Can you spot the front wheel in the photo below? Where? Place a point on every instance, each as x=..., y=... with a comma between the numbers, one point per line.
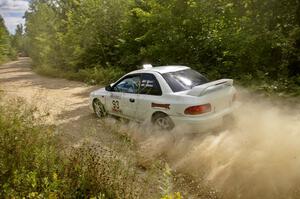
x=163, y=121
x=99, y=109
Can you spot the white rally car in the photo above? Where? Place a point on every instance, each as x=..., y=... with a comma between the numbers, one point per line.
x=167, y=96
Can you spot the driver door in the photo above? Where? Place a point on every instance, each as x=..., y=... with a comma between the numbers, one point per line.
x=124, y=95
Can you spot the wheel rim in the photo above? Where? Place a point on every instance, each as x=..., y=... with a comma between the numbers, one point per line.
x=163, y=123
x=99, y=110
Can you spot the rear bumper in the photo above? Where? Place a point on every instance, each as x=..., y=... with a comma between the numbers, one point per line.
x=203, y=123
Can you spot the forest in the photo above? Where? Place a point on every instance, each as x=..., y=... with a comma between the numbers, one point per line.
x=7, y=49
x=257, y=43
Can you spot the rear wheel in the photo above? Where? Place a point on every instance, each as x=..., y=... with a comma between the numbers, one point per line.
x=99, y=109
x=162, y=121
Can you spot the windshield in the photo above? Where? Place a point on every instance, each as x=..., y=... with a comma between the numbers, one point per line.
x=184, y=79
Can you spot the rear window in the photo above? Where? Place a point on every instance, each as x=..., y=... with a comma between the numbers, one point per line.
x=184, y=79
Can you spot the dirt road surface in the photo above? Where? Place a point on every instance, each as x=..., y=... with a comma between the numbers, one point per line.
x=65, y=102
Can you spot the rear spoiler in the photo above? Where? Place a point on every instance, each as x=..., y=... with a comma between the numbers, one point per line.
x=210, y=87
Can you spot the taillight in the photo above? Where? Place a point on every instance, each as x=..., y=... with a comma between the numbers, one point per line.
x=196, y=110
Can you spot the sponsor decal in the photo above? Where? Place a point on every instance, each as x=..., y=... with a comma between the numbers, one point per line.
x=155, y=105
x=116, y=106
x=115, y=96
x=147, y=83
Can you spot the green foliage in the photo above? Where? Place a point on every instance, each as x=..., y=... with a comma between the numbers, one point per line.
x=29, y=164
x=19, y=40
x=101, y=170
x=166, y=181
x=176, y=195
x=41, y=28
x=250, y=41
x=96, y=75
x=166, y=185
x=32, y=164
x=81, y=34
x=6, y=50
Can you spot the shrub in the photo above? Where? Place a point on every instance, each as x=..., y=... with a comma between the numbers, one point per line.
x=29, y=162
x=101, y=170
x=99, y=75
x=32, y=164
x=96, y=75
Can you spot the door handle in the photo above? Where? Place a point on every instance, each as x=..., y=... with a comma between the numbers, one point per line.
x=132, y=100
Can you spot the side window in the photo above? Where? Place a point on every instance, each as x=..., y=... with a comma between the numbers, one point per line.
x=150, y=85
x=129, y=84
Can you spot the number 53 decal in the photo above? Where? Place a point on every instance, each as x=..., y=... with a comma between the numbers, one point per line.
x=116, y=106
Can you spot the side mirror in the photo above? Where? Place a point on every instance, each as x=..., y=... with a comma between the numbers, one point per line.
x=108, y=88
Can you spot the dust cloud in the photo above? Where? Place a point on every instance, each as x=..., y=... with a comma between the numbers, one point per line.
x=257, y=158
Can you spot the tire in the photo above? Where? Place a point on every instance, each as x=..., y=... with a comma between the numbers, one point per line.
x=99, y=109
x=162, y=121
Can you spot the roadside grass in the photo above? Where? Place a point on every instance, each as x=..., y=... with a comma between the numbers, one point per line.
x=103, y=76
x=29, y=164
x=32, y=164
x=95, y=75
x=273, y=88
x=35, y=164
x=4, y=60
